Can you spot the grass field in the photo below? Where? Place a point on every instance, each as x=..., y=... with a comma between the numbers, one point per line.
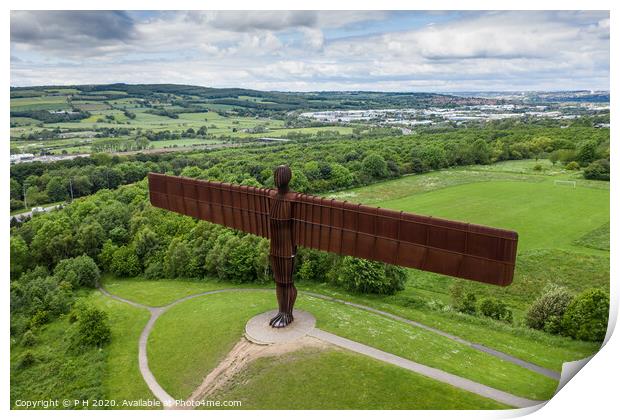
x=545, y=215
x=284, y=383
x=207, y=327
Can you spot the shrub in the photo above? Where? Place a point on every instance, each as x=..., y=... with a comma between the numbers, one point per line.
x=538, y=167
x=39, y=318
x=93, y=326
x=78, y=271
x=28, y=359
x=360, y=275
x=313, y=266
x=599, y=170
x=586, y=316
x=496, y=309
x=546, y=312
x=29, y=339
x=461, y=301
x=572, y=166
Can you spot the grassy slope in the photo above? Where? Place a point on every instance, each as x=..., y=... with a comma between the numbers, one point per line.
x=544, y=349
x=284, y=382
x=596, y=239
x=163, y=292
x=123, y=380
x=111, y=373
x=207, y=327
x=427, y=348
x=58, y=372
x=191, y=338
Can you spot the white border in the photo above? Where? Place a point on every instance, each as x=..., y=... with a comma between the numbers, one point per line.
x=594, y=391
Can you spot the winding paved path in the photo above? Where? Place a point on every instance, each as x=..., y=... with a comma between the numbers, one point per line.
x=437, y=374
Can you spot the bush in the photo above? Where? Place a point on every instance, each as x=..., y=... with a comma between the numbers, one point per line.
x=461, y=301
x=599, y=170
x=40, y=317
x=28, y=359
x=546, y=312
x=496, y=309
x=538, y=167
x=572, y=166
x=78, y=271
x=29, y=339
x=360, y=275
x=93, y=326
x=586, y=316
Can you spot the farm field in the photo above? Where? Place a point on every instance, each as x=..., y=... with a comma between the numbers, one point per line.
x=118, y=110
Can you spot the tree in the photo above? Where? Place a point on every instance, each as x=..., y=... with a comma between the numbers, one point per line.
x=599, y=170
x=496, y=309
x=142, y=142
x=146, y=242
x=374, y=166
x=586, y=316
x=19, y=258
x=53, y=241
x=125, y=262
x=56, y=189
x=90, y=237
x=177, y=260
x=16, y=190
x=481, y=152
x=79, y=271
x=587, y=153
x=462, y=301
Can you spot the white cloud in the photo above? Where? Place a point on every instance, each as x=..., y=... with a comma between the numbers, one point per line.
x=311, y=50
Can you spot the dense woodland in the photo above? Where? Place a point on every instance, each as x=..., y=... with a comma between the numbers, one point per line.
x=322, y=163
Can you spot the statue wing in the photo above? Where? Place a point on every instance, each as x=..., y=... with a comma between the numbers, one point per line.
x=447, y=247
x=236, y=206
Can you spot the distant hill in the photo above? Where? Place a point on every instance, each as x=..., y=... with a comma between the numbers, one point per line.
x=253, y=101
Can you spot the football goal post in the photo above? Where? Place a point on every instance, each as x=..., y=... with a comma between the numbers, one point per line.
x=566, y=183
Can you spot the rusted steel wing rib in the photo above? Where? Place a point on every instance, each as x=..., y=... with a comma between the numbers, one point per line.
x=442, y=246
x=236, y=206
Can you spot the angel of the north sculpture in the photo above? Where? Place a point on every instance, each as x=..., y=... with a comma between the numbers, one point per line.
x=289, y=219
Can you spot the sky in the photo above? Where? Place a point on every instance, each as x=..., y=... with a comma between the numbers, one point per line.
x=411, y=51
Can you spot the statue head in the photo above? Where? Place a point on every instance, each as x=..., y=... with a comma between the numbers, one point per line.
x=281, y=177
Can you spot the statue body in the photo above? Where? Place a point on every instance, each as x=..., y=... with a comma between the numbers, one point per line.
x=282, y=248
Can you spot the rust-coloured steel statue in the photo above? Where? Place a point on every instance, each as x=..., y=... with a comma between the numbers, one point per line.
x=290, y=219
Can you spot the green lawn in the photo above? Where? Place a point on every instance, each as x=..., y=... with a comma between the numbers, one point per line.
x=534, y=346
x=123, y=380
x=427, y=348
x=190, y=339
x=334, y=379
x=207, y=327
x=545, y=215
x=165, y=291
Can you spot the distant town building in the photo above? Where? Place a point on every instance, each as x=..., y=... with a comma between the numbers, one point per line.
x=21, y=157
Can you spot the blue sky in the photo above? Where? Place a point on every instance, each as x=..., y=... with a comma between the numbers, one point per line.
x=312, y=50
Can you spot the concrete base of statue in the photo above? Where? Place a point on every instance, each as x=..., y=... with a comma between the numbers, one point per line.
x=258, y=330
